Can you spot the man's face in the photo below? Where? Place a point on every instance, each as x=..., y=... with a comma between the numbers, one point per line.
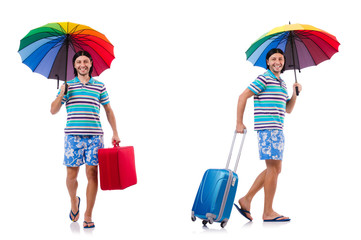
x=82, y=64
x=276, y=63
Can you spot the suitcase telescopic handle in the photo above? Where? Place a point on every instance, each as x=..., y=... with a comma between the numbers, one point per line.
x=239, y=151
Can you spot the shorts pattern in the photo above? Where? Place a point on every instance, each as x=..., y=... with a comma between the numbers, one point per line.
x=80, y=149
x=271, y=144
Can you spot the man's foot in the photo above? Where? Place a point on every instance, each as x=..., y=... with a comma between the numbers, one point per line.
x=88, y=224
x=243, y=212
x=245, y=208
x=75, y=216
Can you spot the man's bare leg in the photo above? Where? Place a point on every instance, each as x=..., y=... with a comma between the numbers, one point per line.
x=270, y=185
x=72, y=185
x=91, y=192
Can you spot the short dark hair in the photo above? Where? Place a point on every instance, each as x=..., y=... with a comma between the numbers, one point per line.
x=273, y=51
x=82, y=53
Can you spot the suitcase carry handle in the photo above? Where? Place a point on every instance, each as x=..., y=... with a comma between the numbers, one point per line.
x=239, y=151
x=116, y=144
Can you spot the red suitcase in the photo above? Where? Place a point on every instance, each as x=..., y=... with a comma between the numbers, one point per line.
x=117, y=167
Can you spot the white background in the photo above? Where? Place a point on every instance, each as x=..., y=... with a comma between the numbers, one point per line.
x=179, y=69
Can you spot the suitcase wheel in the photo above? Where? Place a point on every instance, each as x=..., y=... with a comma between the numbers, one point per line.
x=223, y=224
x=194, y=218
x=210, y=221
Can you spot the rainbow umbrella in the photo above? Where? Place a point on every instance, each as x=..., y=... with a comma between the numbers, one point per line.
x=49, y=49
x=303, y=46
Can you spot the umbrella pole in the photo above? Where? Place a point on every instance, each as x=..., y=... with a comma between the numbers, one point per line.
x=293, y=58
x=66, y=62
x=297, y=91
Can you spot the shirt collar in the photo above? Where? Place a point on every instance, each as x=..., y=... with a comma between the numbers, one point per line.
x=91, y=80
x=269, y=72
x=280, y=80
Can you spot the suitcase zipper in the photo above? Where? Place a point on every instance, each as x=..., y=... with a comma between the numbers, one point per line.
x=225, y=196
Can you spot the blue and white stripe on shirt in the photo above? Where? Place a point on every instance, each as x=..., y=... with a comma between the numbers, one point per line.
x=270, y=101
x=83, y=107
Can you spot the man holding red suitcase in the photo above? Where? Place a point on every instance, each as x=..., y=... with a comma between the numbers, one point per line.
x=271, y=102
x=83, y=132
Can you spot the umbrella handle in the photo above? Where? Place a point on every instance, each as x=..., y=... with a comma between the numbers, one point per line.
x=66, y=88
x=66, y=85
x=297, y=92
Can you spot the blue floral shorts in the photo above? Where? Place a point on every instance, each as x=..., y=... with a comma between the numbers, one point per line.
x=271, y=144
x=82, y=149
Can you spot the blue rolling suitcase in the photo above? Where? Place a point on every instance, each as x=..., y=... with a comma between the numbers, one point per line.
x=217, y=191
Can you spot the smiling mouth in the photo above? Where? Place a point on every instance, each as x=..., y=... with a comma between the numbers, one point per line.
x=277, y=66
x=82, y=69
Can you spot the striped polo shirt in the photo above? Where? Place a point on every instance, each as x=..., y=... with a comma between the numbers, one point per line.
x=270, y=101
x=83, y=107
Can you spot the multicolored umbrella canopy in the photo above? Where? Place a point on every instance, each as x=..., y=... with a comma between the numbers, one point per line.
x=49, y=49
x=303, y=46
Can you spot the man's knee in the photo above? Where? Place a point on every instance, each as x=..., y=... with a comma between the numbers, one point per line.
x=92, y=172
x=275, y=166
x=72, y=173
x=278, y=170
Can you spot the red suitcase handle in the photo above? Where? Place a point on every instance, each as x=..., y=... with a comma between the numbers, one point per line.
x=116, y=144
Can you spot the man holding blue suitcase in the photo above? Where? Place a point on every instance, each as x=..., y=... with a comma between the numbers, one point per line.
x=271, y=102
